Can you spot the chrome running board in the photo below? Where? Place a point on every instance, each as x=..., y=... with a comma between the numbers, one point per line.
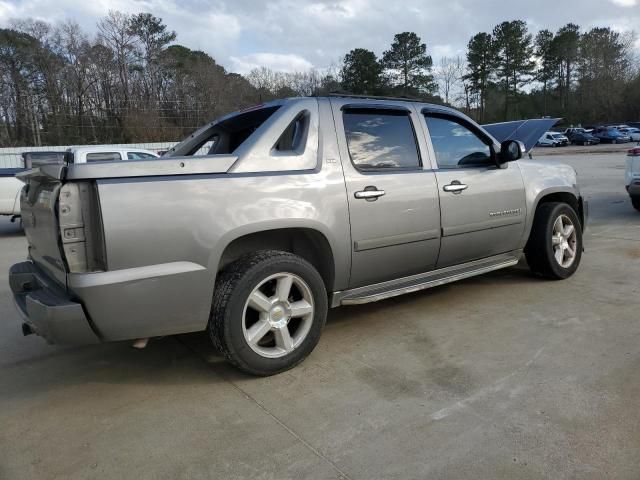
x=422, y=281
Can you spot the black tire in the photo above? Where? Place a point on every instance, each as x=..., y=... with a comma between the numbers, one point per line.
x=539, y=250
x=233, y=287
x=635, y=201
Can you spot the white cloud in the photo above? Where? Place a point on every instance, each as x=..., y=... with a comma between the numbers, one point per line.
x=625, y=3
x=298, y=34
x=275, y=61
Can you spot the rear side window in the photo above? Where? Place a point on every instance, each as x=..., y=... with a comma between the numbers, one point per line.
x=139, y=156
x=294, y=138
x=455, y=145
x=103, y=156
x=381, y=139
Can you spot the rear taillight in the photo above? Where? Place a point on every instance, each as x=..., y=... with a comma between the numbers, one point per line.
x=81, y=227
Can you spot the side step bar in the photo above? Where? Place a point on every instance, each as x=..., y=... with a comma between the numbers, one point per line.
x=422, y=281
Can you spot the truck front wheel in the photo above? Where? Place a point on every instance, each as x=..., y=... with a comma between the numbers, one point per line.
x=635, y=201
x=269, y=309
x=554, y=248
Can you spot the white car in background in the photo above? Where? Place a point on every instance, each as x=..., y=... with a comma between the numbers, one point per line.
x=10, y=186
x=553, y=139
x=108, y=154
x=632, y=132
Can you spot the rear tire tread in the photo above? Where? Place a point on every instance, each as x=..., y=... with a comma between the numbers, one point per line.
x=227, y=284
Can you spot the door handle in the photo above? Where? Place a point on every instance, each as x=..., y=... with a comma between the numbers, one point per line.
x=455, y=187
x=370, y=194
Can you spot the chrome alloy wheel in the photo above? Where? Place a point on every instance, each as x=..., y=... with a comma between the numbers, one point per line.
x=564, y=240
x=278, y=315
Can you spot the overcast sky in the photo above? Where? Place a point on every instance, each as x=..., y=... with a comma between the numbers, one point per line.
x=294, y=35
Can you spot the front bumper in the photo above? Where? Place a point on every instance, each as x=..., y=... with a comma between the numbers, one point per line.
x=46, y=309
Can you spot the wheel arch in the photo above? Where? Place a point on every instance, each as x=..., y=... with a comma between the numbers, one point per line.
x=575, y=202
x=563, y=195
x=308, y=243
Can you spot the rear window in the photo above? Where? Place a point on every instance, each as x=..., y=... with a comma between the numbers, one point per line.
x=103, y=156
x=225, y=137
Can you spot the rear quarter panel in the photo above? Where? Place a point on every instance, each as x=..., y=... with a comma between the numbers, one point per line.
x=165, y=236
x=190, y=221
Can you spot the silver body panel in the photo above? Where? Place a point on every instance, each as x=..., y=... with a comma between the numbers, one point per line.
x=167, y=223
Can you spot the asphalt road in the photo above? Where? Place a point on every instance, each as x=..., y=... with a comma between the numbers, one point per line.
x=498, y=377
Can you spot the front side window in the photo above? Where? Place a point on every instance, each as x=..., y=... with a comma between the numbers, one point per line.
x=103, y=156
x=381, y=139
x=455, y=145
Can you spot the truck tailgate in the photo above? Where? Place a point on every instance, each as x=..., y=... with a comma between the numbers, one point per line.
x=38, y=205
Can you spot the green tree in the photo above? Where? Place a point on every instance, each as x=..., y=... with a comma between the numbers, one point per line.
x=547, y=63
x=481, y=62
x=361, y=72
x=565, y=49
x=603, y=71
x=514, y=60
x=408, y=65
x=153, y=36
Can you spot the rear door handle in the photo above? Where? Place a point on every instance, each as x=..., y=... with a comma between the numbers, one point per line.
x=370, y=194
x=455, y=187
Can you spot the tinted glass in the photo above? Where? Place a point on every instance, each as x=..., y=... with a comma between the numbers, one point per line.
x=139, y=156
x=103, y=156
x=379, y=140
x=293, y=137
x=455, y=145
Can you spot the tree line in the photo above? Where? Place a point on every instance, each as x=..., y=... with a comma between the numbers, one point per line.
x=131, y=82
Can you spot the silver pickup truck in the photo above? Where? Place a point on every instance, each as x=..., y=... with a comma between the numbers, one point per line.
x=300, y=205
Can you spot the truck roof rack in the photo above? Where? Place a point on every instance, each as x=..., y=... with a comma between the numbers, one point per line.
x=377, y=97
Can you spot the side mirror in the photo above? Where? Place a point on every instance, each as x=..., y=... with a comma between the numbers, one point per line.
x=511, y=150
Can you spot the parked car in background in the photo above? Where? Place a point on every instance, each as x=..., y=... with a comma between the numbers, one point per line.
x=560, y=138
x=579, y=136
x=631, y=132
x=610, y=135
x=107, y=154
x=298, y=205
x=548, y=140
x=632, y=177
x=10, y=188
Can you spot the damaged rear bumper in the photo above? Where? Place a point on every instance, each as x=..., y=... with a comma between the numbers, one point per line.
x=46, y=309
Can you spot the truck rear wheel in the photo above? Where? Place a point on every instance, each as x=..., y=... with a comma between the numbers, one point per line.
x=554, y=248
x=269, y=309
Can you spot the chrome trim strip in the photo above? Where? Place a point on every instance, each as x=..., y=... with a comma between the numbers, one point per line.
x=370, y=244
x=158, y=167
x=479, y=226
x=422, y=281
